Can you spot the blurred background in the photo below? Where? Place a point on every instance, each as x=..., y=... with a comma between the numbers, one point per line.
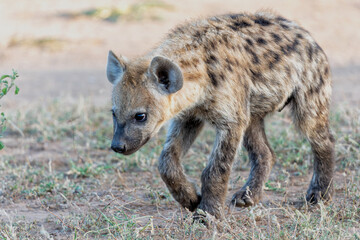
x=58, y=177
x=60, y=48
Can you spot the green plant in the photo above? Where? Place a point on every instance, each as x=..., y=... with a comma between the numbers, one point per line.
x=6, y=83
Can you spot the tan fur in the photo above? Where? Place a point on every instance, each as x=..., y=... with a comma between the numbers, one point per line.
x=235, y=69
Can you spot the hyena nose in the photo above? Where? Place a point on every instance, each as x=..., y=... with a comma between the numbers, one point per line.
x=119, y=148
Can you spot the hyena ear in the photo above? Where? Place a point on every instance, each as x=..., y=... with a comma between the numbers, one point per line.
x=115, y=68
x=167, y=75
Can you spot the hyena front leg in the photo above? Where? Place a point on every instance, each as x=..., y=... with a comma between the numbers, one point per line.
x=181, y=135
x=262, y=159
x=215, y=176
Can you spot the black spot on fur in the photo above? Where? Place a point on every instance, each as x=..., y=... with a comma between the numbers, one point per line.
x=290, y=48
x=276, y=37
x=295, y=43
x=261, y=41
x=212, y=77
x=271, y=65
x=249, y=41
x=266, y=55
x=212, y=45
x=310, y=52
x=275, y=59
x=311, y=91
x=282, y=19
x=235, y=16
x=237, y=25
x=247, y=48
x=233, y=27
x=255, y=58
x=229, y=65
x=318, y=48
x=284, y=26
x=326, y=71
x=262, y=21
x=197, y=35
x=321, y=81
x=255, y=76
x=222, y=76
x=211, y=59
x=242, y=24
x=299, y=35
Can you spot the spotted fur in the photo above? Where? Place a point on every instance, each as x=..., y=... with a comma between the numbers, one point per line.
x=234, y=70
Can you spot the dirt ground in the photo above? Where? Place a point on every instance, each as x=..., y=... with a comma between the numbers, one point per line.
x=60, y=53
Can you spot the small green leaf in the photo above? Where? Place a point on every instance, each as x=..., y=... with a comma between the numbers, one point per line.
x=4, y=76
x=16, y=90
x=1, y=145
x=4, y=91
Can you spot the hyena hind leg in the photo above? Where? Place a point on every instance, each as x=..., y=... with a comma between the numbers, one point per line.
x=262, y=159
x=313, y=121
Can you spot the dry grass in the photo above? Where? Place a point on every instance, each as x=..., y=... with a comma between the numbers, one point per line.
x=130, y=12
x=44, y=43
x=61, y=181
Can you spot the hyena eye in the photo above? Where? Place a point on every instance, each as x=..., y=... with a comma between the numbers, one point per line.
x=140, y=117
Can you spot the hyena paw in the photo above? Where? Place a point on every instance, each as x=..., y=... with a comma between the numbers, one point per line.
x=316, y=193
x=193, y=203
x=186, y=195
x=206, y=210
x=245, y=198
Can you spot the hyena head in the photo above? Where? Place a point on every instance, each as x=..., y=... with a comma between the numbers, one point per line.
x=141, y=98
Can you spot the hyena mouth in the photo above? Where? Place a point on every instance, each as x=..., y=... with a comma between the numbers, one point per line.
x=133, y=150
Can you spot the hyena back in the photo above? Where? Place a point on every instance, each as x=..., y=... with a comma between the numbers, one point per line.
x=229, y=71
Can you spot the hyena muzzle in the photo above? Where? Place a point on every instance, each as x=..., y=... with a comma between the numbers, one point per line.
x=230, y=71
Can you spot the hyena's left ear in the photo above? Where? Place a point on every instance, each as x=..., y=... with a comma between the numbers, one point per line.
x=115, y=68
x=167, y=75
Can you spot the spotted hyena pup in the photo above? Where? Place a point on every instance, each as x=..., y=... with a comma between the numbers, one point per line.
x=230, y=71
